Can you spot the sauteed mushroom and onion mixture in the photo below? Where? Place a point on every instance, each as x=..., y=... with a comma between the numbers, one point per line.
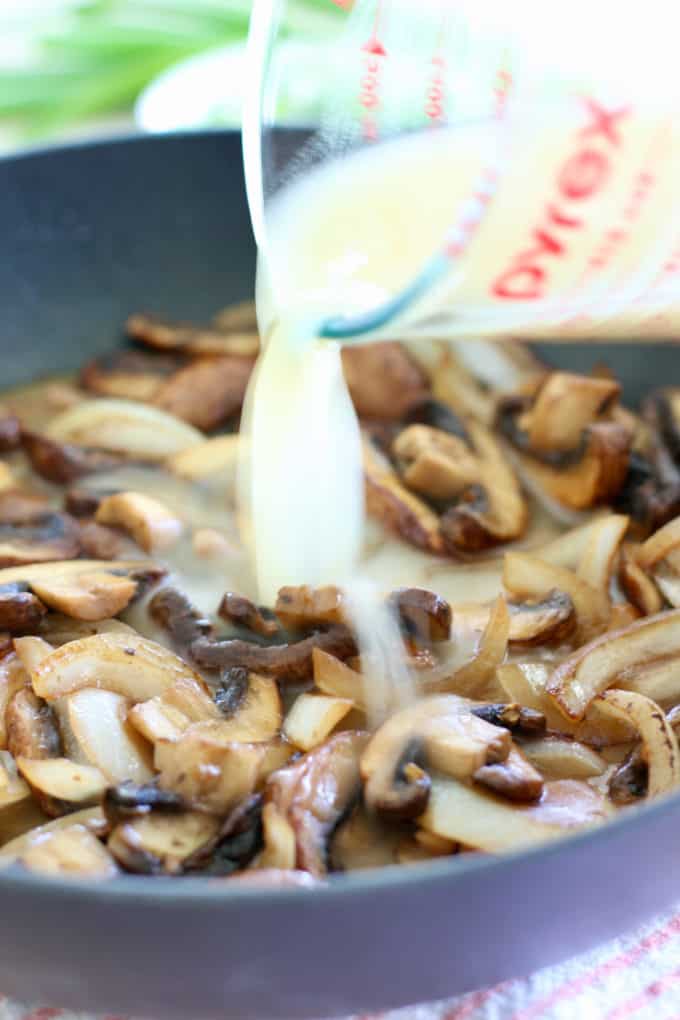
x=524, y=529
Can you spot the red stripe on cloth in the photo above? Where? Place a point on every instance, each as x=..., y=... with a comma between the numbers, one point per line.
x=473, y=1002
x=46, y=1013
x=645, y=997
x=571, y=988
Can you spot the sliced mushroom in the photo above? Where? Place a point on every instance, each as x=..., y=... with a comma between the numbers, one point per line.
x=436, y=415
x=484, y=821
x=129, y=800
x=206, y=461
x=250, y=706
x=547, y=621
x=209, y=773
x=124, y=663
x=304, y=607
x=513, y=717
x=159, y=843
x=125, y=427
x=91, y=818
x=143, y=571
x=71, y=852
x=149, y=522
x=243, y=613
x=530, y=577
x=62, y=462
x=129, y=374
x=32, y=733
x=44, y=536
x=233, y=332
x=399, y=510
x=423, y=614
x=440, y=732
x=515, y=778
x=288, y=663
x=82, y=502
x=170, y=714
x=383, y=380
x=565, y=444
x=424, y=846
x=58, y=630
x=63, y=781
x=207, y=391
x=315, y=793
x=435, y=464
x=99, y=542
x=313, y=717
x=174, y=612
x=596, y=666
x=21, y=611
x=10, y=431
x=30, y=652
x=97, y=730
x=96, y=596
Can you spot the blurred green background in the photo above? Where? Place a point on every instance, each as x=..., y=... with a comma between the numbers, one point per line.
x=79, y=67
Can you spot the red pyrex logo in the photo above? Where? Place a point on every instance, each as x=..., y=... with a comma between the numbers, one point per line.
x=581, y=177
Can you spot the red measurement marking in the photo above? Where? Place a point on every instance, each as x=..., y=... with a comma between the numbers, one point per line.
x=369, y=92
x=583, y=176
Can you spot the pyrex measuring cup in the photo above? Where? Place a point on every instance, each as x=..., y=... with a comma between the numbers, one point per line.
x=477, y=167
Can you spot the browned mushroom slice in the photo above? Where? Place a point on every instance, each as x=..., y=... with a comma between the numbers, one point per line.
x=209, y=773
x=383, y=380
x=128, y=374
x=241, y=611
x=148, y=521
x=32, y=733
x=97, y=542
x=176, y=615
x=207, y=391
x=66, y=782
x=304, y=606
x=435, y=464
x=233, y=332
x=549, y=620
x=21, y=611
x=398, y=509
x=44, y=537
x=423, y=614
x=288, y=663
x=363, y=840
x=124, y=663
x=513, y=717
x=565, y=443
x=514, y=778
x=477, y=818
x=628, y=783
x=63, y=463
x=315, y=793
x=170, y=714
x=129, y=800
x=159, y=843
x=440, y=732
x=533, y=578
x=491, y=509
x=83, y=502
x=279, y=851
x=95, y=596
x=250, y=705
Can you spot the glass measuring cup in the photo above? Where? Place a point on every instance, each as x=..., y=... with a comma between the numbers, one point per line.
x=477, y=167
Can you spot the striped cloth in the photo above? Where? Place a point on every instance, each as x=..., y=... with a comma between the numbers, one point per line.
x=633, y=978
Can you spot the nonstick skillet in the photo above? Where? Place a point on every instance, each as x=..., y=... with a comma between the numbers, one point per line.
x=88, y=234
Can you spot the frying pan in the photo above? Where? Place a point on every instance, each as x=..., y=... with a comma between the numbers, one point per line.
x=87, y=235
